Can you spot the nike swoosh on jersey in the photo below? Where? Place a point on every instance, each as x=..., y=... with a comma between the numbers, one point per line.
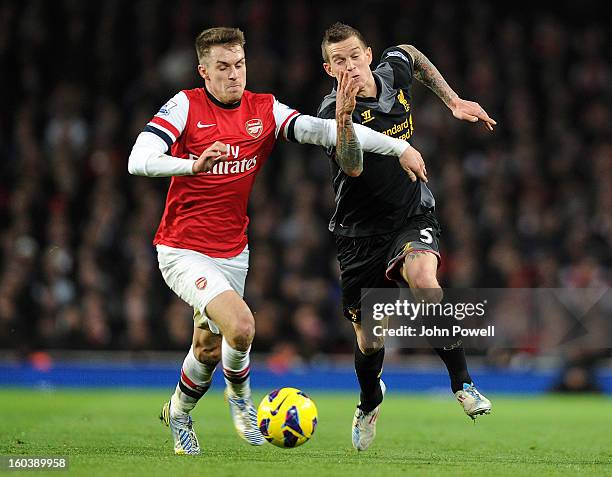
x=200, y=125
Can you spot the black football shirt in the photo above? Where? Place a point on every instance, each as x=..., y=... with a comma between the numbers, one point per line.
x=383, y=198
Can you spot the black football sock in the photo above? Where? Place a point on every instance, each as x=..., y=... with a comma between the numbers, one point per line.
x=454, y=359
x=369, y=369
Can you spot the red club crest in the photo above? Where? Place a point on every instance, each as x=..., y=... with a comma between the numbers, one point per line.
x=200, y=283
x=254, y=127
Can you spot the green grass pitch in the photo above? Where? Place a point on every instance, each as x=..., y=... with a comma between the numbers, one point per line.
x=117, y=433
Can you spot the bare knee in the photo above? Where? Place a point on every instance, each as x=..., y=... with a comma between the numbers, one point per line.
x=242, y=331
x=233, y=317
x=423, y=283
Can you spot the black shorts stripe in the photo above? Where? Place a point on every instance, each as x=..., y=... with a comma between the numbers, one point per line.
x=161, y=134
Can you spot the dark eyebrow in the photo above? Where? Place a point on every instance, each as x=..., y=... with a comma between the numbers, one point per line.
x=228, y=64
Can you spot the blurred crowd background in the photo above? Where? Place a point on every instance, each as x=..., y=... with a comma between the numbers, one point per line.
x=527, y=206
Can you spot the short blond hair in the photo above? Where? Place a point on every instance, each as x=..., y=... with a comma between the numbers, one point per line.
x=339, y=32
x=217, y=36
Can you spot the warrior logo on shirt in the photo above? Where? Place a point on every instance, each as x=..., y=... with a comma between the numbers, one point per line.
x=254, y=127
x=367, y=116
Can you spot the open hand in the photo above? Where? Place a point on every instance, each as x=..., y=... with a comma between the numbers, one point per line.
x=213, y=154
x=346, y=96
x=471, y=111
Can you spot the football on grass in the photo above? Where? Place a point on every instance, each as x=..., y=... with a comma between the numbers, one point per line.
x=287, y=417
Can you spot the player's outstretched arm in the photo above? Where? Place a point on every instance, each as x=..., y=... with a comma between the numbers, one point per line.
x=306, y=129
x=428, y=74
x=148, y=159
x=350, y=139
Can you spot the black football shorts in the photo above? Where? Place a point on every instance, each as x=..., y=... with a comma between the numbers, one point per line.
x=374, y=262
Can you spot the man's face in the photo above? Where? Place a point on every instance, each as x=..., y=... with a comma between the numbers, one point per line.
x=350, y=55
x=225, y=72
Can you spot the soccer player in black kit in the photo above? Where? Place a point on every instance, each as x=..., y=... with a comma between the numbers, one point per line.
x=384, y=221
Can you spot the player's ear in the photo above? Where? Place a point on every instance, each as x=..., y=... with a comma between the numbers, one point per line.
x=368, y=52
x=203, y=73
x=328, y=70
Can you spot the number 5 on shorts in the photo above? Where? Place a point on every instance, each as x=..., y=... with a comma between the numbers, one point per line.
x=426, y=236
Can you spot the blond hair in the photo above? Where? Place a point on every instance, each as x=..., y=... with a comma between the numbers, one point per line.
x=217, y=36
x=339, y=32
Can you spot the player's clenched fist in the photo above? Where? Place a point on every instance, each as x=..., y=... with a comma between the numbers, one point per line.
x=210, y=156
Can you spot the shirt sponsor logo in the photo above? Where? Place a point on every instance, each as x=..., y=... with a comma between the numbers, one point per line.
x=254, y=127
x=231, y=167
x=234, y=167
x=401, y=130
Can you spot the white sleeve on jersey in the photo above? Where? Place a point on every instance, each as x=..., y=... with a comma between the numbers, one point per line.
x=322, y=132
x=169, y=122
x=148, y=159
x=282, y=115
x=148, y=156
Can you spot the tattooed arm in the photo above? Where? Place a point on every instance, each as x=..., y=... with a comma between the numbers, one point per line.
x=428, y=74
x=349, y=154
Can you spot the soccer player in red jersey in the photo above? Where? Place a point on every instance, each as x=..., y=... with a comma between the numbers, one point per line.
x=218, y=138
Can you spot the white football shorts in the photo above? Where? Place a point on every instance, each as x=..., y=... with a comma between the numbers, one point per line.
x=198, y=278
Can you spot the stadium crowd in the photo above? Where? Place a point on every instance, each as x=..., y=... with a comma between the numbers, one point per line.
x=527, y=206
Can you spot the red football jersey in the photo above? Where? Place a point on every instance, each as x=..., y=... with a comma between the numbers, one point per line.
x=208, y=212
